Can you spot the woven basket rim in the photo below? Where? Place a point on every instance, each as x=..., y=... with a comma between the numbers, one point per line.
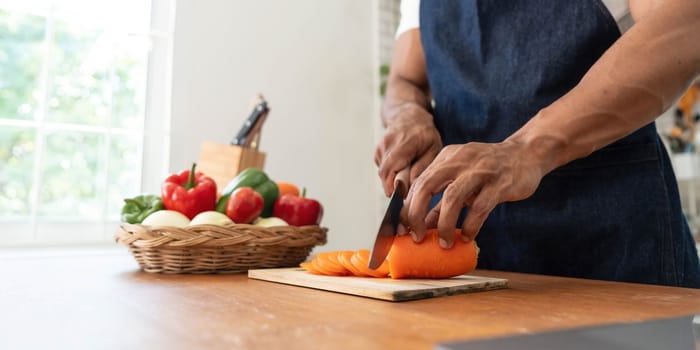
x=218, y=236
x=231, y=227
x=218, y=249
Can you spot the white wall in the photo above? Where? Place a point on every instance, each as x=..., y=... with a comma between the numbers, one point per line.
x=314, y=62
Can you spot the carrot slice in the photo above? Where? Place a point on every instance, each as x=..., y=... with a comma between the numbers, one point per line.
x=333, y=258
x=361, y=259
x=322, y=269
x=328, y=261
x=427, y=259
x=309, y=268
x=358, y=266
x=322, y=264
x=344, y=259
x=383, y=269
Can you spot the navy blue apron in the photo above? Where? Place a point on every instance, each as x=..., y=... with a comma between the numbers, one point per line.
x=615, y=215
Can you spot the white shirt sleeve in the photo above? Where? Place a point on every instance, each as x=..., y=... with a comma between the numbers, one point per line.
x=620, y=11
x=410, y=12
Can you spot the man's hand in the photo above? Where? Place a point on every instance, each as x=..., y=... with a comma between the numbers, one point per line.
x=636, y=79
x=410, y=140
x=476, y=175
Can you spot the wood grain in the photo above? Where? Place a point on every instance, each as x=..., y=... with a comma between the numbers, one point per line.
x=223, y=162
x=381, y=288
x=105, y=302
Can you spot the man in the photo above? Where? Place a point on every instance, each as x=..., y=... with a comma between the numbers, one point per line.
x=537, y=116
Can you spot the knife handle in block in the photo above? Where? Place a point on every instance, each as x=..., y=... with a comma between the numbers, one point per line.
x=252, y=124
x=401, y=181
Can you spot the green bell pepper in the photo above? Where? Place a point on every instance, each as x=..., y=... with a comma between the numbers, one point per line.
x=259, y=181
x=138, y=208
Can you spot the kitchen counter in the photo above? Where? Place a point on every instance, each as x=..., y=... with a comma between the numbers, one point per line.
x=102, y=301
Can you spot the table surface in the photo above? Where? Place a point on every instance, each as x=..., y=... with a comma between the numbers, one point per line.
x=104, y=301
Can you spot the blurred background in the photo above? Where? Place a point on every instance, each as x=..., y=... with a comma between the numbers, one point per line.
x=101, y=100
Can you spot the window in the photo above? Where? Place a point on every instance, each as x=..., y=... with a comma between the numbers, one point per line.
x=84, y=114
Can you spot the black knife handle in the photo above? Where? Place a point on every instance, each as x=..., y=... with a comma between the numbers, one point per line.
x=258, y=111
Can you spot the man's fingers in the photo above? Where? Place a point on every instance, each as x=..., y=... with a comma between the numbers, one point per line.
x=415, y=209
x=479, y=211
x=388, y=185
x=419, y=197
x=401, y=230
x=453, y=200
x=431, y=220
x=420, y=165
x=393, y=162
x=378, y=154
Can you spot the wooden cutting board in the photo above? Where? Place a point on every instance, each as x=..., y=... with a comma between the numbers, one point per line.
x=381, y=288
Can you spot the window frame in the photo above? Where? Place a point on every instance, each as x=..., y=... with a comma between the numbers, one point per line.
x=34, y=230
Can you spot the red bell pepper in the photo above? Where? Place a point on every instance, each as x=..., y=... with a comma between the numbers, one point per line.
x=189, y=193
x=298, y=210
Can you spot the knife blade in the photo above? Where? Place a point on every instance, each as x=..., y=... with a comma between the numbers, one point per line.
x=390, y=222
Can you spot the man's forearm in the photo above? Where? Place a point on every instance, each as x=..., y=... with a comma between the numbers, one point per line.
x=401, y=95
x=638, y=78
x=407, y=86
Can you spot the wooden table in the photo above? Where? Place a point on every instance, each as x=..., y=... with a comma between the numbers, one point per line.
x=104, y=301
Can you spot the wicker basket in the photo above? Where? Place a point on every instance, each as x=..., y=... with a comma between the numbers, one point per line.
x=218, y=249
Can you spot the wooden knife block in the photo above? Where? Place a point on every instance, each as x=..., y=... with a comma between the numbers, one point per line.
x=223, y=162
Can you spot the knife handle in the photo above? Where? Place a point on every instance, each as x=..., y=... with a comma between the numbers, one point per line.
x=401, y=181
x=259, y=111
x=252, y=140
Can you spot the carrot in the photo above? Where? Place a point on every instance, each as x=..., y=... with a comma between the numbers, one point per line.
x=407, y=259
x=358, y=265
x=328, y=261
x=344, y=259
x=361, y=261
x=334, y=258
x=309, y=267
x=322, y=271
x=322, y=265
x=383, y=269
x=287, y=188
x=427, y=259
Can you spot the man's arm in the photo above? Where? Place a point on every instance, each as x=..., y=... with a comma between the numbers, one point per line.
x=407, y=85
x=411, y=138
x=637, y=79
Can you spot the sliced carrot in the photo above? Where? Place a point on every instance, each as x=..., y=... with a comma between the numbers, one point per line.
x=324, y=268
x=333, y=258
x=407, y=259
x=427, y=259
x=361, y=261
x=358, y=266
x=321, y=266
x=309, y=267
x=344, y=259
x=383, y=269
x=321, y=269
x=329, y=262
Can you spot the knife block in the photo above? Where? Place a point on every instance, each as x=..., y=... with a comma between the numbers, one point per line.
x=223, y=162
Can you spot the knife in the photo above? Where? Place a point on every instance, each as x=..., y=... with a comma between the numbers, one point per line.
x=387, y=229
x=252, y=124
